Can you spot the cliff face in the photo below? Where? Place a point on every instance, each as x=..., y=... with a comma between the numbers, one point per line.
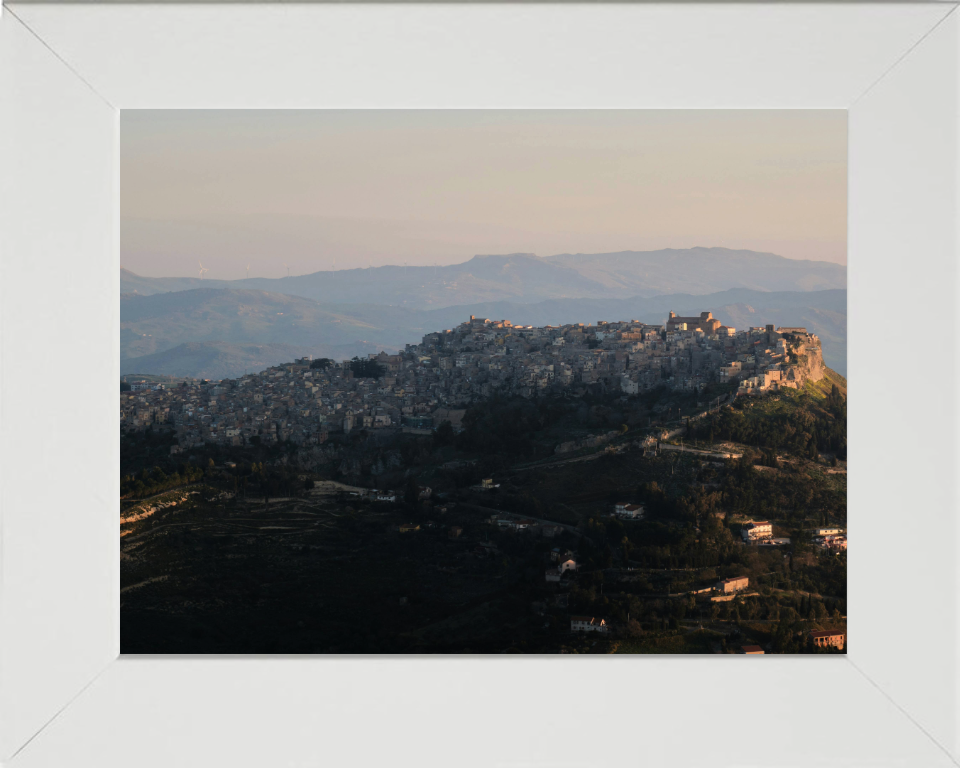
x=812, y=367
x=806, y=363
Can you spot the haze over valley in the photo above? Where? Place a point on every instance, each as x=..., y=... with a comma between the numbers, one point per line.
x=184, y=326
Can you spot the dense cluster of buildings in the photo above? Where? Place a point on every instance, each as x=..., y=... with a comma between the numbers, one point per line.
x=432, y=382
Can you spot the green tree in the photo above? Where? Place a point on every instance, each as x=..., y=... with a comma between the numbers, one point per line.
x=412, y=492
x=444, y=434
x=366, y=369
x=632, y=629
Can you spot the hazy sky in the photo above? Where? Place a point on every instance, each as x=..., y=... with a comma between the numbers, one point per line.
x=310, y=189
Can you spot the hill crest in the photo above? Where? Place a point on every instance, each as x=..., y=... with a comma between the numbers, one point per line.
x=527, y=278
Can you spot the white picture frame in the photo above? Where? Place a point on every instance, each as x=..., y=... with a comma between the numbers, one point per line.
x=66, y=698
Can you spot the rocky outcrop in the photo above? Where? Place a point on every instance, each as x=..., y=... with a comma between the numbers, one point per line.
x=806, y=364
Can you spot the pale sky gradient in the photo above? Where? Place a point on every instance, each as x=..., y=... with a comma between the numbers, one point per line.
x=372, y=187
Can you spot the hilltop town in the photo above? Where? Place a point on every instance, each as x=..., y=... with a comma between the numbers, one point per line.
x=617, y=487
x=433, y=382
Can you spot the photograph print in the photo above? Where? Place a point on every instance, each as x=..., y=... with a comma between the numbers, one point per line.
x=483, y=382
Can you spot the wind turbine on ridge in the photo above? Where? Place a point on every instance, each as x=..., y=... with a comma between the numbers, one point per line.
x=202, y=269
x=288, y=268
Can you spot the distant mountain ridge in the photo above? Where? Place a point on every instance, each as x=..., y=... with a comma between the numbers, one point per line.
x=526, y=278
x=218, y=332
x=703, y=270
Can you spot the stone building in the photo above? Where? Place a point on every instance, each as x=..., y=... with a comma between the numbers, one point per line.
x=728, y=586
x=827, y=638
x=706, y=323
x=755, y=530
